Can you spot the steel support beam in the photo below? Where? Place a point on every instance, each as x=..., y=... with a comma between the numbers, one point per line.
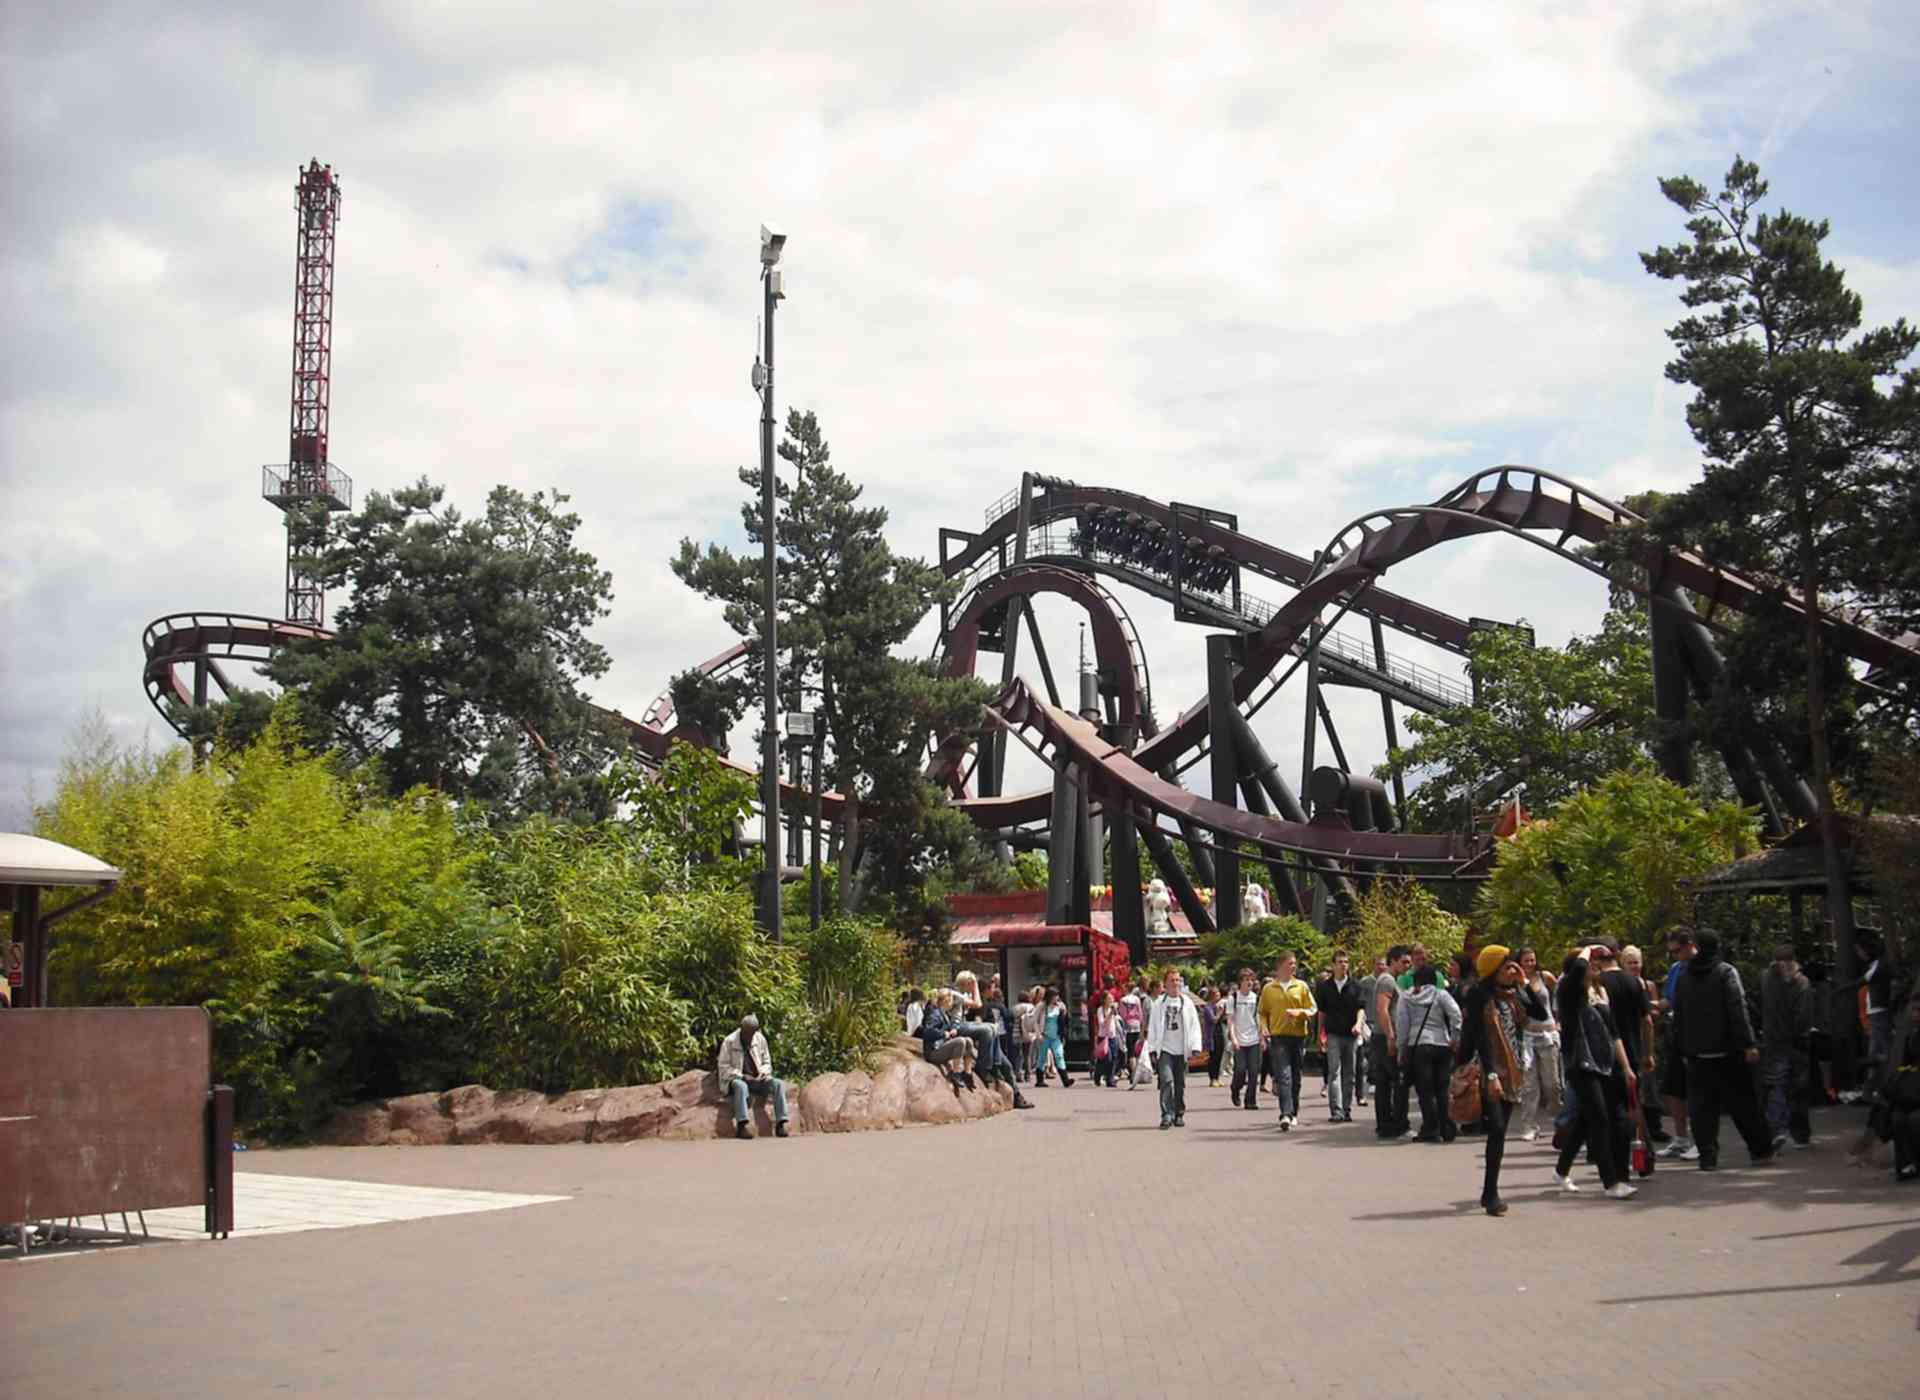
x=1393, y=730
x=1222, y=710
x=1063, y=833
x=1129, y=912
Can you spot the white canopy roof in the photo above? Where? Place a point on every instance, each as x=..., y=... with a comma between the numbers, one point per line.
x=33, y=860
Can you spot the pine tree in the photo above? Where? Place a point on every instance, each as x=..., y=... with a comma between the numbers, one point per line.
x=1805, y=422
x=846, y=601
x=457, y=660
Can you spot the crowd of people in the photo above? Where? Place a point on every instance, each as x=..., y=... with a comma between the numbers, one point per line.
x=1596, y=1057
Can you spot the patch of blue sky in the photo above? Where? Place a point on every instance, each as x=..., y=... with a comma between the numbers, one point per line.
x=637, y=242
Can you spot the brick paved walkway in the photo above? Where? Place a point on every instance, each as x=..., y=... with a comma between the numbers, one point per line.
x=1075, y=1250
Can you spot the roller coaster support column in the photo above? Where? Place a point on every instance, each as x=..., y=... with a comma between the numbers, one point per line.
x=1161, y=849
x=1093, y=837
x=1129, y=913
x=1063, y=841
x=1224, y=756
x=1393, y=730
x=1671, y=750
x=1267, y=773
x=1708, y=668
x=200, y=746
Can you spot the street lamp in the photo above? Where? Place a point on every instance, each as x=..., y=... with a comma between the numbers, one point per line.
x=773, y=289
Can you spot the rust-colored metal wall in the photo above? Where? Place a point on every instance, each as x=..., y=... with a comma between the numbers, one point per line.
x=102, y=1110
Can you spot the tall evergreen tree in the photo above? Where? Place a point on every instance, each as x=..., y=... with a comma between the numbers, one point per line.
x=846, y=601
x=457, y=660
x=1805, y=421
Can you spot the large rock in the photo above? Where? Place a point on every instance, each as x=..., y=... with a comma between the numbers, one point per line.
x=418, y=1120
x=566, y=1118
x=896, y=1089
x=638, y=1111
x=361, y=1125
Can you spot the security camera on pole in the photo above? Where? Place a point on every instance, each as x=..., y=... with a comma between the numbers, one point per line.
x=772, y=240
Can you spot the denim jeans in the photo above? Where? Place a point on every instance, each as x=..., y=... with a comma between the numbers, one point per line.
x=1246, y=1073
x=1051, y=1050
x=759, y=1088
x=1432, y=1069
x=1342, y=1056
x=1289, y=1053
x=1173, y=1086
x=1785, y=1073
x=1389, y=1090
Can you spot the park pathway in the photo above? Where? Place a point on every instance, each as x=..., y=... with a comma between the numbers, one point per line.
x=1074, y=1250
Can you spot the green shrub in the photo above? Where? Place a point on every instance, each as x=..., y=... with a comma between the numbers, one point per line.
x=1258, y=945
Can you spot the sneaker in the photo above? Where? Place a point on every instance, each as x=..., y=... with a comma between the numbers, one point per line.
x=1165, y=1123
x=741, y=1130
x=1620, y=1191
x=1236, y=1098
x=1566, y=1183
x=1684, y=1149
x=1409, y=1135
x=1179, y=1120
x=780, y=1128
x=1803, y=1146
x=1286, y=1124
x=1780, y=1141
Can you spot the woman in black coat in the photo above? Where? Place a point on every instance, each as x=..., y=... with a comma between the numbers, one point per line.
x=1493, y=1030
x=1597, y=1075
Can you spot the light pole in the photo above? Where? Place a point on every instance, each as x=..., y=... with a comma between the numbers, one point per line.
x=772, y=241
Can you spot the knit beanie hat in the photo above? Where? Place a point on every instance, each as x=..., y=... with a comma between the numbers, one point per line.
x=1490, y=959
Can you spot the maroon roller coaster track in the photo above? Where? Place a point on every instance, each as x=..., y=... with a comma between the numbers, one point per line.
x=184, y=651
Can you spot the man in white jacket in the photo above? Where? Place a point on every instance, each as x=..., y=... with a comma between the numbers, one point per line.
x=746, y=1068
x=1173, y=1033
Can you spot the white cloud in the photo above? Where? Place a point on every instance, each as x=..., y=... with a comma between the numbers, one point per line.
x=1298, y=264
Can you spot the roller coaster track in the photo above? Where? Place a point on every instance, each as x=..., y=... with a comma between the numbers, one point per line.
x=1518, y=501
x=1059, y=734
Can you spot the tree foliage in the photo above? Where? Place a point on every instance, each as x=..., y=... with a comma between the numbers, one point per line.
x=1258, y=945
x=1397, y=911
x=1554, y=718
x=457, y=658
x=349, y=943
x=1613, y=860
x=1807, y=424
x=847, y=602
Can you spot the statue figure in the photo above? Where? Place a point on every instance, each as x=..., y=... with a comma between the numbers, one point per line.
x=1253, y=902
x=1159, y=908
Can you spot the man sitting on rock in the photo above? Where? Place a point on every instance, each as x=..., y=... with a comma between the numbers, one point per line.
x=746, y=1069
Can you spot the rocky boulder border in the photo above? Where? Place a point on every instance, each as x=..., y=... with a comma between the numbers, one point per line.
x=899, y=1089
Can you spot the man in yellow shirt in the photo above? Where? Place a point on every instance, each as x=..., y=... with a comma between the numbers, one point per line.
x=1286, y=1015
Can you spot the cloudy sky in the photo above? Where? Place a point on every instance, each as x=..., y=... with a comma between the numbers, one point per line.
x=1295, y=261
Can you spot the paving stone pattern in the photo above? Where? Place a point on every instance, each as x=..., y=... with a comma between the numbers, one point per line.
x=1074, y=1250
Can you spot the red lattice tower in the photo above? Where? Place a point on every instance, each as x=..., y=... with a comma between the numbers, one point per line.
x=308, y=483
